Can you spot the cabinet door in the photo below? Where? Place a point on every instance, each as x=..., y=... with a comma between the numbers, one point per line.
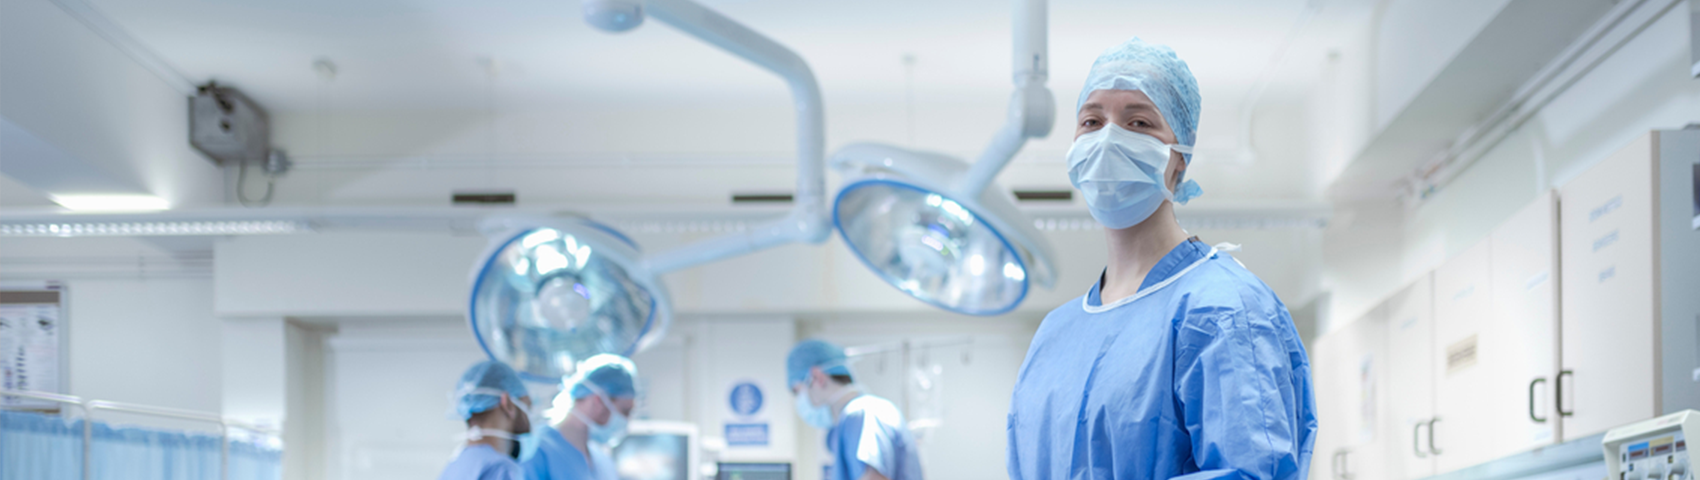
x=1325, y=360
x=1523, y=341
x=1349, y=373
x=1466, y=379
x=1410, y=329
x=1607, y=318
x=1364, y=375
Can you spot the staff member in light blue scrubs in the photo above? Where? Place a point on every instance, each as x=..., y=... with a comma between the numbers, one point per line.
x=495, y=406
x=865, y=434
x=1178, y=363
x=589, y=418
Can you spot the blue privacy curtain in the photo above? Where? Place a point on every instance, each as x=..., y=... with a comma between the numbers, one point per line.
x=43, y=447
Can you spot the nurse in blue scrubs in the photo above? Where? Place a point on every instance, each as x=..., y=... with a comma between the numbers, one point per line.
x=590, y=417
x=1177, y=363
x=495, y=406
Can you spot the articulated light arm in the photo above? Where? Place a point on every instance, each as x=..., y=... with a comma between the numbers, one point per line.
x=1032, y=108
x=808, y=220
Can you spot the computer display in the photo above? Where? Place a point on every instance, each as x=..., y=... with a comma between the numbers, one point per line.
x=753, y=471
x=655, y=450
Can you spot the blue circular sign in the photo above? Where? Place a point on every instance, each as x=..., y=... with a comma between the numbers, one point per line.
x=746, y=399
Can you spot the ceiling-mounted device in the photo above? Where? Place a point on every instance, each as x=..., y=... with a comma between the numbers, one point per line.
x=929, y=224
x=551, y=292
x=227, y=126
x=230, y=128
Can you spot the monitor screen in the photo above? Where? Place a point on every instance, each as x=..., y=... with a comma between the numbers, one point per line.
x=754, y=471
x=653, y=456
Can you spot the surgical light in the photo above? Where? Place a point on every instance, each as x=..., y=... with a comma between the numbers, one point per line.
x=931, y=224
x=907, y=225
x=551, y=293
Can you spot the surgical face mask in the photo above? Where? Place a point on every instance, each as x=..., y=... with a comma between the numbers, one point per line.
x=609, y=433
x=818, y=416
x=1121, y=174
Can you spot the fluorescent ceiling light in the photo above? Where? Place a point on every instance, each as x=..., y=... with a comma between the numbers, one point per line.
x=152, y=229
x=111, y=203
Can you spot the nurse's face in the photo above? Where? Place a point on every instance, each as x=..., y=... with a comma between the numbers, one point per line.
x=1133, y=111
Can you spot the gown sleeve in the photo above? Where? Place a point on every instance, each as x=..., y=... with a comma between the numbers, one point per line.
x=1239, y=396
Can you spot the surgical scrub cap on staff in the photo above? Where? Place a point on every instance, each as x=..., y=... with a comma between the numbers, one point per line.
x=1157, y=71
x=471, y=394
x=814, y=353
x=611, y=374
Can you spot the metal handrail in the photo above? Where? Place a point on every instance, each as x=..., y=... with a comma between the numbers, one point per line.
x=90, y=406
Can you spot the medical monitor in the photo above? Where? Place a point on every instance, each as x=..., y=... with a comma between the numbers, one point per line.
x=753, y=471
x=657, y=450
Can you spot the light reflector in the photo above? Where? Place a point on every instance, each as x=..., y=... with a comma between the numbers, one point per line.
x=930, y=247
x=150, y=229
x=546, y=298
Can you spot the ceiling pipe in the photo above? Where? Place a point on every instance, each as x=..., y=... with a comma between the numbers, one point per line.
x=808, y=220
x=1032, y=108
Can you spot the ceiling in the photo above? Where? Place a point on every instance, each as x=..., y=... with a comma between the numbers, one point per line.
x=431, y=54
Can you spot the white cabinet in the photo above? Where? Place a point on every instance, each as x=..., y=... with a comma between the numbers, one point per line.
x=1410, y=363
x=1495, y=342
x=1464, y=380
x=1522, y=343
x=1349, y=372
x=1609, y=291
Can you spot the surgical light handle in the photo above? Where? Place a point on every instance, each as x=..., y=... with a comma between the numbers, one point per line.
x=1032, y=108
x=808, y=220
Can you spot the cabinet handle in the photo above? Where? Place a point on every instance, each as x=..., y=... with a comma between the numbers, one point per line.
x=1558, y=392
x=1532, y=384
x=1346, y=465
x=1334, y=464
x=1431, y=423
x=1416, y=432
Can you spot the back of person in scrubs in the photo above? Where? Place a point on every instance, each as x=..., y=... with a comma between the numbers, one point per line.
x=865, y=434
x=1177, y=362
x=494, y=404
x=589, y=418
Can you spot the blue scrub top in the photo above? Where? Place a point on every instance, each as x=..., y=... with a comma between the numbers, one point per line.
x=556, y=459
x=480, y=462
x=1202, y=379
x=870, y=433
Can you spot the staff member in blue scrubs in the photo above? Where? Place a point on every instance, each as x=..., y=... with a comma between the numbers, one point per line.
x=495, y=406
x=1178, y=363
x=864, y=433
x=589, y=418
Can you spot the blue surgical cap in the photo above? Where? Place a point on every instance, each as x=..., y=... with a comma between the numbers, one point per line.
x=809, y=354
x=474, y=392
x=1157, y=71
x=612, y=374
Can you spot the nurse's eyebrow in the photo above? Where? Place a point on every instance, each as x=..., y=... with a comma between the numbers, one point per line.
x=1140, y=106
x=1091, y=106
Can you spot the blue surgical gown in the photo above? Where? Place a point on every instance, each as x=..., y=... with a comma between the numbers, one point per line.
x=870, y=434
x=1202, y=379
x=556, y=459
x=480, y=462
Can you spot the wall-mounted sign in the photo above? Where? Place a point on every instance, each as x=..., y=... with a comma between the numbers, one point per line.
x=32, y=335
x=746, y=425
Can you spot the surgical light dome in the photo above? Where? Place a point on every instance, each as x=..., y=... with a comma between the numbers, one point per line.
x=550, y=294
x=969, y=255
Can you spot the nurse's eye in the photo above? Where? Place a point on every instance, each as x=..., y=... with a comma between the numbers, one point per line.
x=1090, y=123
x=1140, y=124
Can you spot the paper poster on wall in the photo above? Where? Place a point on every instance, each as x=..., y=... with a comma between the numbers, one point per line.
x=31, y=330
x=746, y=424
